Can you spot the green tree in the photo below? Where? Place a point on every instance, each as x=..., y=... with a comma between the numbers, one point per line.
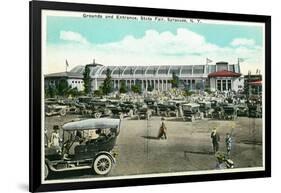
x=188, y=92
x=175, y=80
x=123, y=87
x=62, y=87
x=74, y=92
x=107, y=83
x=87, y=80
x=150, y=87
x=136, y=88
x=98, y=93
x=51, y=91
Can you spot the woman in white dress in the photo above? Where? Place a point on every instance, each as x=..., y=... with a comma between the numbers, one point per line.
x=55, y=137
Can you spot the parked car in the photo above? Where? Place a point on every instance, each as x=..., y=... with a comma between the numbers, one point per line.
x=218, y=112
x=53, y=108
x=78, y=152
x=151, y=104
x=144, y=113
x=229, y=112
x=167, y=108
x=242, y=110
x=191, y=112
x=206, y=108
x=255, y=110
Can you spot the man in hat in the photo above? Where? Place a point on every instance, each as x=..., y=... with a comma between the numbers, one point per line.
x=162, y=129
x=215, y=139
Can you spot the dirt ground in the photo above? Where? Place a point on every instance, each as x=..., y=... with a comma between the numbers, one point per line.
x=188, y=147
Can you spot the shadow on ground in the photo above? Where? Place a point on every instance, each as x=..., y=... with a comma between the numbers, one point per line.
x=150, y=137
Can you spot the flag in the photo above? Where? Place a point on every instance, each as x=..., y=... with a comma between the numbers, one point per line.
x=66, y=63
x=208, y=61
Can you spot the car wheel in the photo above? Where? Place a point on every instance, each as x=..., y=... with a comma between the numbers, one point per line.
x=63, y=112
x=102, y=164
x=97, y=115
x=46, y=172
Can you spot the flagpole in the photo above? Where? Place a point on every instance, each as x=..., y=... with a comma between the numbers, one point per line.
x=66, y=65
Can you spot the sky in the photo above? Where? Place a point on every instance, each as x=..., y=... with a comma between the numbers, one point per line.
x=125, y=42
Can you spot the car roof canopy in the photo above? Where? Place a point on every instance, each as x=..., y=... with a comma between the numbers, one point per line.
x=192, y=105
x=88, y=124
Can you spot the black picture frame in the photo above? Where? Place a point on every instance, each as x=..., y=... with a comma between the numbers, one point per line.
x=36, y=8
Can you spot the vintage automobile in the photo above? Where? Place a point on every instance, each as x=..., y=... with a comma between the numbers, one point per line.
x=98, y=108
x=151, y=104
x=128, y=108
x=218, y=112
x=242, y=110
x=82, y=103
x=255, y=110
x=168, y=108
x=144, y=113
x=191, y=112
x=86, y=144
x=53, y=108
x=229, y=112
x=206, y=108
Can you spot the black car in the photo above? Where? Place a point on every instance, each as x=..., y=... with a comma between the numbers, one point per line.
x=79, y=150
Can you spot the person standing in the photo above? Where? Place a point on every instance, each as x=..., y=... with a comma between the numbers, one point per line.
x=228, y=143
x=162, y=130
x=55, y=137
x=215, y=140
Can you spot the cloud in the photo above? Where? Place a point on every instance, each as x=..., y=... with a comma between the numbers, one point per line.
x=182, y=47
x=243, y=42
x=184, y=42
x=72, y=37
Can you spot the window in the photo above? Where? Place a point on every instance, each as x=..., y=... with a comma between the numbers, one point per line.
x=229, y=87
x=231, y=68
x=151, y=70
x=140, y=70
x=219, y=85
x=198, y=69
x=212, y=68
x=163, y=70
x=223, y=84
x=186, y=70
x=221, y=66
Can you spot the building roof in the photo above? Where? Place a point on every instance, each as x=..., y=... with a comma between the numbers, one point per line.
x=64, y=75
x=144, y=70
x=224, y=73
x=140, y=71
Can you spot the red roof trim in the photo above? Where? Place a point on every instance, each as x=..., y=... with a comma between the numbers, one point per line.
x=258, y=82
x=224, y=73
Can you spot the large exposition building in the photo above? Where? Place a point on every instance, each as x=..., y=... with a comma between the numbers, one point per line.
x=220, y=76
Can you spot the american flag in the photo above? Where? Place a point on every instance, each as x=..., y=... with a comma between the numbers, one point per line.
x=208, y=61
